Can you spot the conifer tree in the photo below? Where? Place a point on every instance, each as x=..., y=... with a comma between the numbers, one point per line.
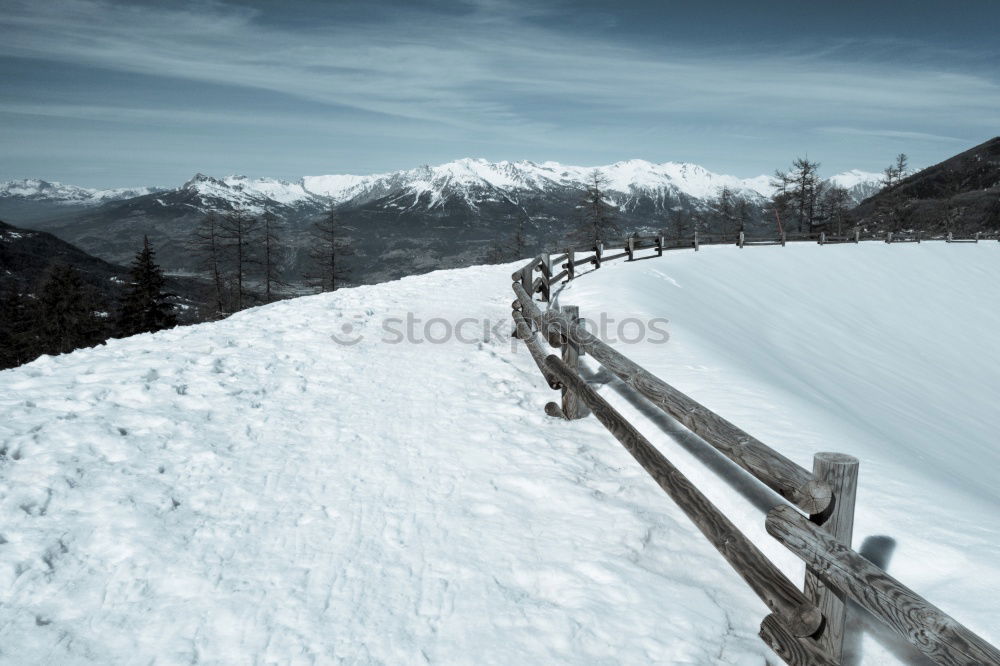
x=65, y=315
x=145, y=306
x=16, y=340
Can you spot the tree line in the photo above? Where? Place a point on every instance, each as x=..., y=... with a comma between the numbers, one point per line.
x=246, y=255
x=65, y=313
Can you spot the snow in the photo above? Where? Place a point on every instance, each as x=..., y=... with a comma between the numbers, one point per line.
x=469, y=178
x=250, y=491
x=854, y=177
x=31, y=188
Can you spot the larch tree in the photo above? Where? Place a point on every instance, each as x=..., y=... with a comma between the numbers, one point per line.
x=331, y=243
x=272, y=252
x=597, y=224
x=238, y=232
x=797, y=192
x=208, y=245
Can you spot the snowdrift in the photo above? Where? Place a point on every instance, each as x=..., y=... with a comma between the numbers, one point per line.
x=254, y=491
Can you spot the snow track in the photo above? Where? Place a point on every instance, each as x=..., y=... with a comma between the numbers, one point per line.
x=251, y=492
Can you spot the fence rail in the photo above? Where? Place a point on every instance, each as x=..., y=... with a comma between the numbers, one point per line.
x=805, y=627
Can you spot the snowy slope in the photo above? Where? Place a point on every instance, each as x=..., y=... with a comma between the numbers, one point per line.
x=249, y=491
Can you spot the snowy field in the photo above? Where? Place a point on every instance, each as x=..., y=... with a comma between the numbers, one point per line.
x=252, y=492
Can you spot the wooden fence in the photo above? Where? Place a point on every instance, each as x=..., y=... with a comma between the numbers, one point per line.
x=806, y=626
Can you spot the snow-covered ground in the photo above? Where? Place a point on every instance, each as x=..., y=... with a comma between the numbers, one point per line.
x=251, y=491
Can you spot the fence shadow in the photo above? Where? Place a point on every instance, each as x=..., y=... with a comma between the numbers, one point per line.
x=755, y=492
x=878, y=550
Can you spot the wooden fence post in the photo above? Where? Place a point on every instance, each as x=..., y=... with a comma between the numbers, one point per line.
x=659, y=246
x=741, y=239
x=857, y=235
x=570, y=268
x=950, y=237
x=546, y=269
x=526, y=281
x=573, y=406
x=841, y=473
x=598, y=253
x=696, y=240
x=977, y=236
x=782, y=239
x=822, y=238
x=888, y=237
x=630, y=247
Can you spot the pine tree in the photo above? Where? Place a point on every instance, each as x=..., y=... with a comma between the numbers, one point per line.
x=65, y=315
x=145, y=307
x=16, y=340
x=330, y=245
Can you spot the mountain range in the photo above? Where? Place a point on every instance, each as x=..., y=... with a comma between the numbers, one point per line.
x=402, y=222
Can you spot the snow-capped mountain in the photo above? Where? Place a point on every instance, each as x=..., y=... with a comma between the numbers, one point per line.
x=471, y=181
x=33, y=189
x=859, y=184
x=474, y=181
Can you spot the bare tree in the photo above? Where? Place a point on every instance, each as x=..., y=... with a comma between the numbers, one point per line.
x=834, y=204
x=680, y=224
x=724, y=209
x=597, y=220
x=238, y=232
x=797, y=191
x=330, y=245
x=512, y=248
x=272, y=251
x=895, y=172
x=743, y=213
x=207, y=244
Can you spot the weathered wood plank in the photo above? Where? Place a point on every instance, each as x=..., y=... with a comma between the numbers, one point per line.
x=793, y=651
x=527, y=336
x=558, y=276
x=527, y=268
x=801, y=617
x=841, y=473
x=926, y=627
x=773, y=469
x=573, y=406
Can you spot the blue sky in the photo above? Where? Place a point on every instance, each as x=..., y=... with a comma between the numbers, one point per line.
x=102, y=93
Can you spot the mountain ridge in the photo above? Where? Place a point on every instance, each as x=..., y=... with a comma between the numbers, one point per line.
x=625, y=177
